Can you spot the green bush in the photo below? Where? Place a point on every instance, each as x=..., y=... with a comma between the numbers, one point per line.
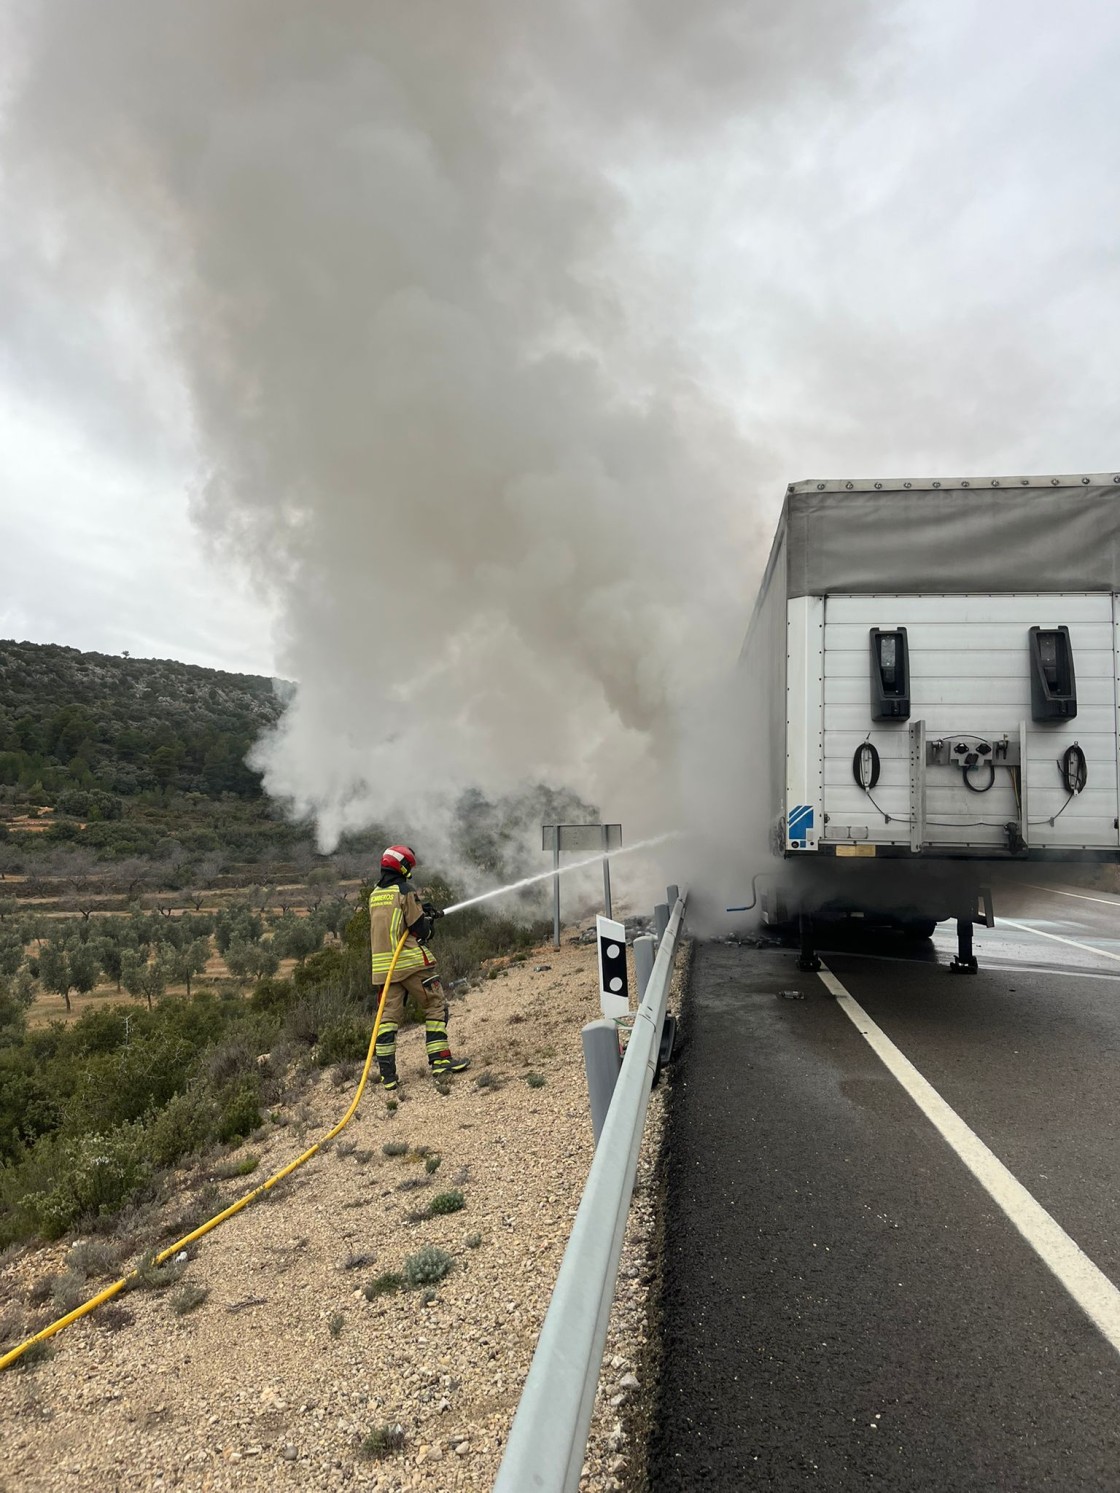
x=183, y=1126
x=242, y=1166
x=272, y=995
x=427, y=1266
x=447, y=1202
x=239, y=1110
x=342, y=1042
x=65, y=1179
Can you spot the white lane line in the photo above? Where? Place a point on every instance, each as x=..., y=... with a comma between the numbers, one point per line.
x=1049, y=971
x=1009, y=969
x=1081, y=897
x=1094, y=1293
x=1057, y=937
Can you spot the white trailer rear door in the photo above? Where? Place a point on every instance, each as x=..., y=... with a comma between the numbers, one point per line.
x=970, y=676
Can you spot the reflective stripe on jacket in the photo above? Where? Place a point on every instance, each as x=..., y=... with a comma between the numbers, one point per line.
x=390, y=911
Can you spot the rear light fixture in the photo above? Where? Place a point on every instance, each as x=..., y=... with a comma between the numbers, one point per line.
x=890, y=674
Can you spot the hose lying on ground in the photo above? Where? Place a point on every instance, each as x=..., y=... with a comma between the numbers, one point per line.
x=243, y=1202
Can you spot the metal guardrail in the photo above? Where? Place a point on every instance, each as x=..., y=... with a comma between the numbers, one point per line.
x=548, y=1438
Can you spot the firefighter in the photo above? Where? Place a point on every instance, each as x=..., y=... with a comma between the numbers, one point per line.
x=393, y=907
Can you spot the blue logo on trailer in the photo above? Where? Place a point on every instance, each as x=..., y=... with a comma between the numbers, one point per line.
x=799, y=825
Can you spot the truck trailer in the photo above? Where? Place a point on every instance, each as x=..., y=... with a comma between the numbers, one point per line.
x=934, y=670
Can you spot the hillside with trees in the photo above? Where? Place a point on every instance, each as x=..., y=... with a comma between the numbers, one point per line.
x=90, y=728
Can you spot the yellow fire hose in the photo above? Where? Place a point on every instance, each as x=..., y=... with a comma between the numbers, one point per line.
x=119, y=1285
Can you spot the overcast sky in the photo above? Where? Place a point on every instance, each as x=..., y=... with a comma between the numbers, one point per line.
x=952, y=223
x=878, y=239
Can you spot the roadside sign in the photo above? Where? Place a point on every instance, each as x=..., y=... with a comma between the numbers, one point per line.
x=587, y=838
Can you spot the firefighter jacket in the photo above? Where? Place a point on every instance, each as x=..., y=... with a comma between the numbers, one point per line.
x=391, y=910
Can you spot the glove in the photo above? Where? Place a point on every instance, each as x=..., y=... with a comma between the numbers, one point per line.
x=431, y=910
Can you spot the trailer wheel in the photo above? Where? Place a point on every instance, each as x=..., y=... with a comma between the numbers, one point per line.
x=919, y=928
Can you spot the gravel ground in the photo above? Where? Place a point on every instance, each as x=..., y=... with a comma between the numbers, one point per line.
x=286, y=1368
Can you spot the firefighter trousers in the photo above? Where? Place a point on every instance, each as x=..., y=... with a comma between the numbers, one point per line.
x=424, y=986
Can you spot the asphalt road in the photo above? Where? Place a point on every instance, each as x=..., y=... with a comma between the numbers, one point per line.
x=845, y=1305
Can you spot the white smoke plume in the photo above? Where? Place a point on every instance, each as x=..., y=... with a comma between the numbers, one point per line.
x=384, y=261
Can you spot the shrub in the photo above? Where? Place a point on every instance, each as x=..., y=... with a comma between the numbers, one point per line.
x=535, y=1080
x=342, y=1042
x=187, y=1298
x=410, y=1184
x=427, y=1266
x=345, y=1073
x=240, y=1112
x=395, y=1148
x=95, y=1257
x=64, y=1179
x=68, y=1292
x=431, y=1165
x=271, y=995
x=447, y=1202
x=242, y=1166
x=40, y=1291
x=382, y=1440
x=11, y=1321
x=334, y=1324
x=358, y=1260
x=181, y=1127
x=485, y=1080
x=228, y=1061
x=472, y=1241
x=36, y=1354
x=149, y=1275
x=383, y=1285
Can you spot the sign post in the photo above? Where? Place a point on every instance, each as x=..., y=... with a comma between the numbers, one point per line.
x=588, y=838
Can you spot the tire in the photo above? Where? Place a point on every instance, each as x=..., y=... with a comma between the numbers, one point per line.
x=919, y=928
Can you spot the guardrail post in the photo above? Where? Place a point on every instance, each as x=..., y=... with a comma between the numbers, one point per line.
x=660, y=921
x=672, y=893
x=603, y=1061
x=645, y=948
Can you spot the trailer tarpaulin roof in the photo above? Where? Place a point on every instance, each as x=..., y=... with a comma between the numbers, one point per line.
x=976, y=535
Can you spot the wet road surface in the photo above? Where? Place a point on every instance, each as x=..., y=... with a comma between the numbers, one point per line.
x=845, y=1304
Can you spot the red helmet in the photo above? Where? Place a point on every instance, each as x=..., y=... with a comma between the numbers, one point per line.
x=399, y=858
